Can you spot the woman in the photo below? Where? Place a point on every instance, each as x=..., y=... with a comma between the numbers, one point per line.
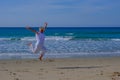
x=40, y=37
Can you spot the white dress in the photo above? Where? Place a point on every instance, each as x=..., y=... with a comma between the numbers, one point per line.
x=39, y=46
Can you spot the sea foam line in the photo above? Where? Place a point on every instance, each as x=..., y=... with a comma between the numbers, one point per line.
x=33, y=38
x=59, y=38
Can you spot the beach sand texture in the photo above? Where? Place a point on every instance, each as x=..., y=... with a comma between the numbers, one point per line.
x=61, y=69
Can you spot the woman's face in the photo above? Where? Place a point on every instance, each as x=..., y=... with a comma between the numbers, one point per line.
x=41, y=30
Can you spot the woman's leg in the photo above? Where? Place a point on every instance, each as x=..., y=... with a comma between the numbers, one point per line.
x=43, y=50
x=34, y=50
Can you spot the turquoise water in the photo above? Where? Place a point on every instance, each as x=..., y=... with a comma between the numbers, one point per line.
x=61, y=42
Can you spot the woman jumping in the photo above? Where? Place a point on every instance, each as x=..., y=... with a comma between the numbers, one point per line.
x=40, y=37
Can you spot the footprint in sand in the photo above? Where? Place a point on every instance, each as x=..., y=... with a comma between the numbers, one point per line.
x=51, y=60
x=14, y=75
x=16, y=79
x=116, y=76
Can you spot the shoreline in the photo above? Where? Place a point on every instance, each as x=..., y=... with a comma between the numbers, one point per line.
x=47, y=56
x=72, y=57
x=106, y=68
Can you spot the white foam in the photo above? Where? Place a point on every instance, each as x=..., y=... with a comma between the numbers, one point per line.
x=28, y=38
x=4, y=39
x=58, y=38
x=33, y=38
x=47, y=38
x=115, y=39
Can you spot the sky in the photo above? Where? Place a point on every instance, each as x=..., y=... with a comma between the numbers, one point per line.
x=60, y=13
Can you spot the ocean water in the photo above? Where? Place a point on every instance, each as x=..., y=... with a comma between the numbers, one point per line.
x=62, y=42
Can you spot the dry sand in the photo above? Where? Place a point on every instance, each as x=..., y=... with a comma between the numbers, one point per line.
x=61, y=69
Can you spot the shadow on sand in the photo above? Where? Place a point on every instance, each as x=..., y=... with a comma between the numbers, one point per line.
x=89, y=67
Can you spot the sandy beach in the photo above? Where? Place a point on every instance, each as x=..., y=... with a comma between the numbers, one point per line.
x=61, y=69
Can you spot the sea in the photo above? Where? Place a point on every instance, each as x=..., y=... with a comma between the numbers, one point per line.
x=61, y=42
